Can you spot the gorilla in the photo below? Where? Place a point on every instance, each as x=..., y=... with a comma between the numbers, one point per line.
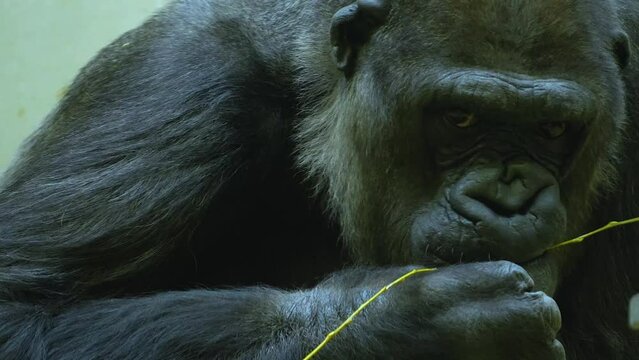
x=233, y=178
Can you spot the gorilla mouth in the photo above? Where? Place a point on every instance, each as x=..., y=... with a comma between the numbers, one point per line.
x=543, y=269
x=443, y=235
x=434, y=260
x=521, y=239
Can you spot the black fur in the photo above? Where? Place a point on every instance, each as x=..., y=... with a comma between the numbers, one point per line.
x=166, y=209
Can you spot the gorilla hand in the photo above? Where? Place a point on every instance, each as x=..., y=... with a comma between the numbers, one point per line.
x=471, y=311
x=487, y=311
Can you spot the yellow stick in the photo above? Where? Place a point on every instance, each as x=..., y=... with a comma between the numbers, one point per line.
x=332, y=334
x=610, y=225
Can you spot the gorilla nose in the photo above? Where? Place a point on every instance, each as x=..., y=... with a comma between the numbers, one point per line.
x=517, y=210
x=503, y=193
x=509, y=194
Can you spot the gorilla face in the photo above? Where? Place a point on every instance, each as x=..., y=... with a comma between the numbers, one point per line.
x=505, y=135
x=501, y=169
x=493, y=140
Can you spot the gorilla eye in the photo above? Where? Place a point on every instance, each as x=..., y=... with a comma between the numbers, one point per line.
x=554, y=129
x=461, y=119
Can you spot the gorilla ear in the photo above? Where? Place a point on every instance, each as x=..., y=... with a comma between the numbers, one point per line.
x=352, y=27
x=621, y=49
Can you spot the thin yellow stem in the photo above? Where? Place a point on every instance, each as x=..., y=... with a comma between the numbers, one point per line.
x=332, y=334
x=610, y=225
x=347, y=322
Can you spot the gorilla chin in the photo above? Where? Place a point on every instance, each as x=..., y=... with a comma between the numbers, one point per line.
x=544, y=267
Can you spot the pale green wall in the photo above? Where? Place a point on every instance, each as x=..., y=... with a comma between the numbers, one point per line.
x=43, y=44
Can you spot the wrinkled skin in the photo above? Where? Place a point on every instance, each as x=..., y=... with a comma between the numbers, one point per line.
x=494, y=298
x=473, y=311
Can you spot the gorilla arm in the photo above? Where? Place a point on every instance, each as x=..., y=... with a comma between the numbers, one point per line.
x=424, y=317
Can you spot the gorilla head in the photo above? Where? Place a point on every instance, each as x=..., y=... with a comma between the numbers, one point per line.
x=468, y=130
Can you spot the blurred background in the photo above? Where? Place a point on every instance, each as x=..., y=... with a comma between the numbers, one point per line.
x=43, y=44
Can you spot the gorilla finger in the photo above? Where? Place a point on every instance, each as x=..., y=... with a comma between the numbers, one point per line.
x=505, y=276
x=545, y=311
x=552, y=350
x=557, y=351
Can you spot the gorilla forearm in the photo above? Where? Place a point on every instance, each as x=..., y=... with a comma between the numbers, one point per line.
x=249, y=323
x=185, y=325
x=425, y=316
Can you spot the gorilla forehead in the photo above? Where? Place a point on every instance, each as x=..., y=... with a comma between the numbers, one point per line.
x=515, y=35
x=515, y=16
x=542, y=40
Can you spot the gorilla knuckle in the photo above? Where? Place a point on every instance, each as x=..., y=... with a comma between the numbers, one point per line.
x=510, y=274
